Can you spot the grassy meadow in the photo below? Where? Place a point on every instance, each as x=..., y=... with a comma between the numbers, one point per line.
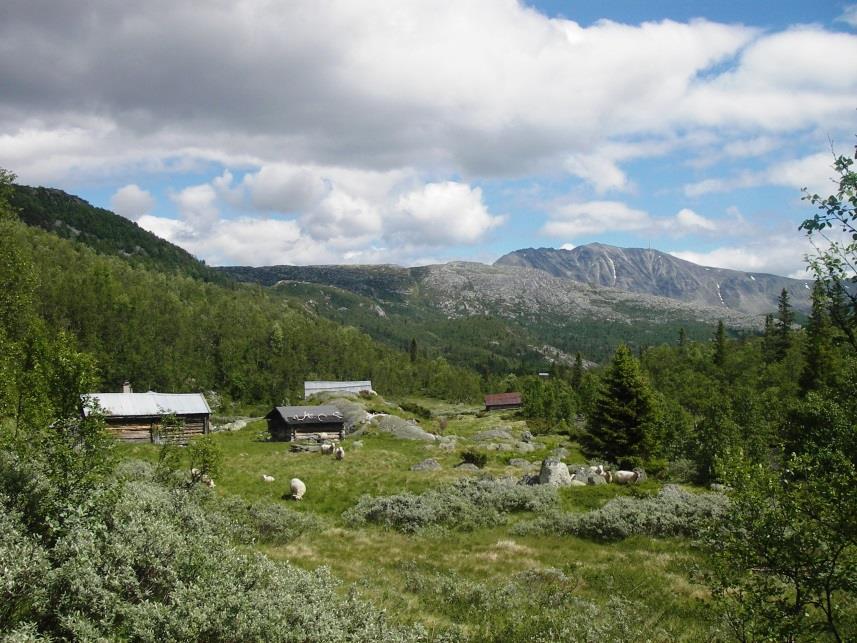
x=488, y=583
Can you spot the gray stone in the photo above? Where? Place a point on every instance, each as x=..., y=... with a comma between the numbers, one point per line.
x=526, y=436
x=447, y=446
x=595, y=479
x=560, y=452
x=429, y=464
x=554, y=472
x=467, y=466
x=577, y=483
x=529, y=479
x=493, y=434
x=504, y=447
x=525, y=447
x=402, y=428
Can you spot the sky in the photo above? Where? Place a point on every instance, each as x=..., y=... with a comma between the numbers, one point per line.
x=256, y=132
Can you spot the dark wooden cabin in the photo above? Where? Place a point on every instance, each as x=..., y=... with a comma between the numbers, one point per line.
x=499, y=401
x=305, y=422
x=136, y=417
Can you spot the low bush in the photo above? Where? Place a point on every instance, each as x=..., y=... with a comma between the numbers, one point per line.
x=672, y=512
x=416, y=409
x=475, y=457
x=464, y=504
x=146, y=562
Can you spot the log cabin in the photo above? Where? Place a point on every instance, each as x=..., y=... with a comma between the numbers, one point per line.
x=136, y=417
x=305, y=422
x=499, y=401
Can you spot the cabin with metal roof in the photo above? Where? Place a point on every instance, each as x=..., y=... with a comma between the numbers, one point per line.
x=305, y=422
x=136, y=417
x=498, y=401
x=354, y=388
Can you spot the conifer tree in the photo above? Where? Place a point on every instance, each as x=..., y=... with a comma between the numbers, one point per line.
x=720, y=345
x=413, y=349
x=769, y=347
x=577, y=372
x=682, y=337
x=785, y=318
x=624, y=411
x=820, y=354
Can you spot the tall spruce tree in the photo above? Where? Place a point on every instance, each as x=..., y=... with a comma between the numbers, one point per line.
x=783, y=327
x=577, y=372
x=624, y=411
x=720, y=345
x=819, y=351
x=769, y=340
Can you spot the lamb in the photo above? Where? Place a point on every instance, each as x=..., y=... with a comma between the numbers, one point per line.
x=298, y=488
x=339, y=452
x=626, y=477
x=267, y=478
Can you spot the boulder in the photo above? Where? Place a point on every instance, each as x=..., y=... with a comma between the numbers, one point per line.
x=526, y=436
x=525, y=447
x=554, y=472
x=493, y=434
x=560, y=453
x=467, y=466
x=402, y=428
x=429, y=464
x=595, y=479
x=529, y=479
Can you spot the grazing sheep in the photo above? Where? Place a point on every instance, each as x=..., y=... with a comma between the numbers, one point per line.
x=339, y=452
x=267, y=478
x=326, y=448
x=195, y=472
x=298, y=488
x=597, y=469
x=626, y=477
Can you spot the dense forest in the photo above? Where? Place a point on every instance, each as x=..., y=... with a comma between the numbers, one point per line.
x=770, y=419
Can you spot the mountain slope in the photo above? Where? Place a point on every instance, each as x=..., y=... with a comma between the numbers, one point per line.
x=71, y=217
x=491, y=317
x=657, y=273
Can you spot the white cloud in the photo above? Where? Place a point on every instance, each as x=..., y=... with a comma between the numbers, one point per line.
x=813, y=172
x=596, y=217
x=132, y=202
x=849, y=15
x=603, y=173
x=687, y=219
x=198, y=206
x=567, y=246
x=442, y=213
x=776, y=254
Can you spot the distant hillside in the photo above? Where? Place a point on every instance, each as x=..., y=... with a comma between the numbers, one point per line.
x=491, y=318
x=657, y=273
x=107, y=233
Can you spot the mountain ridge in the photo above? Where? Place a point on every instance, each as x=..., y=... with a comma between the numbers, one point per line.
x=653, y=272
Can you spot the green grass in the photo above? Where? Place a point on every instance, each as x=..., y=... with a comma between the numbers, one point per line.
x=403, y=573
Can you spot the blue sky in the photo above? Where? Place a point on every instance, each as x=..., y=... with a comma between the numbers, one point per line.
x=416, y=132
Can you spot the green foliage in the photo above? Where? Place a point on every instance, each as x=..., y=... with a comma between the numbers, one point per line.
x=465, y=504
x=720, y=345
x=109, y=234
x=548, y=402
x=783, y=326
x=822, y=362
x=206, y=457
x=625, y=413
x=474, y=457
x=672, y=512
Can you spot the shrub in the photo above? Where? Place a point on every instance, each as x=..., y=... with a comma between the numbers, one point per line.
x=475, y=457
x=416, y=409
x=464, y=504
x=673, y=512
x=682, y=470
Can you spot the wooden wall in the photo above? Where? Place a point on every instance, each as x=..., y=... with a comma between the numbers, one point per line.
x=281, y=431
x=143, y=429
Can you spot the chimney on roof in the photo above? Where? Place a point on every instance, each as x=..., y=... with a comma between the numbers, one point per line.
x=126, y=387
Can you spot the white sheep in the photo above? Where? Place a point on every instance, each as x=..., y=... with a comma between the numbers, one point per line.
x=326, y=448
x=576, y=483
x=298, y=488
x=267, y=478
x=626, y=477
x=597, y=469
x=339, y=452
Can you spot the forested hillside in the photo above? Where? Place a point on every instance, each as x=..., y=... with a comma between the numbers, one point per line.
x=175, y=333
x=107, y=233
